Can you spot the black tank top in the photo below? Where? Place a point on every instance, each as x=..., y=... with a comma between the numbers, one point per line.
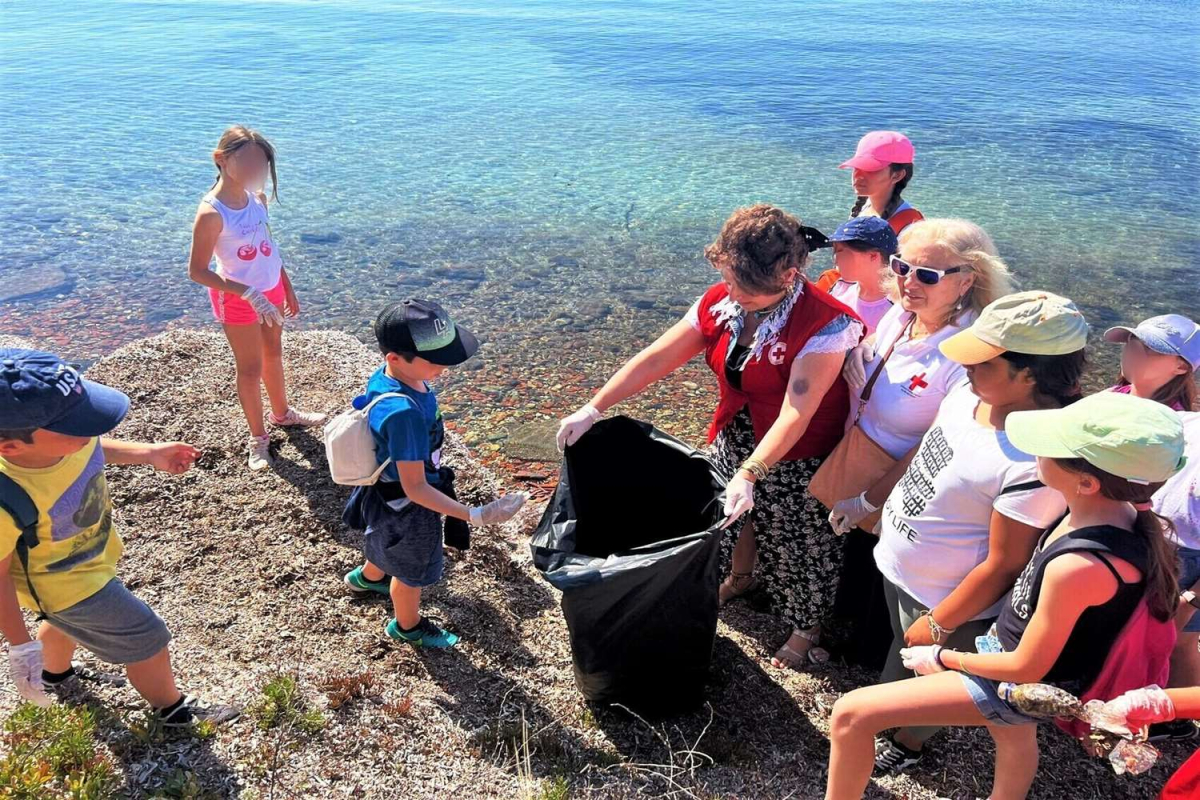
x=1097, y=628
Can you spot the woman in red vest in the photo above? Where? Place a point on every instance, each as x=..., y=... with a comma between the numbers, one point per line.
x=776, y=347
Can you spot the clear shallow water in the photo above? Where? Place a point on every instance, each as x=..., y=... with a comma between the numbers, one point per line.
x=551, y=171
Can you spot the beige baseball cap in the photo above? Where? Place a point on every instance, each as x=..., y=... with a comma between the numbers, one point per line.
x=1034, y=323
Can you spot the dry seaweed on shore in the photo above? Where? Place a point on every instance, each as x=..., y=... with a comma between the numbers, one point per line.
x=246, y=568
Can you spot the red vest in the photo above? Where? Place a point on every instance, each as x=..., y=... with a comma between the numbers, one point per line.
x=765, y=380
x=902, y=219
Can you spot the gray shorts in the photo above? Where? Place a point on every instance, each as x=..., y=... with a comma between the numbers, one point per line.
x=113, y=624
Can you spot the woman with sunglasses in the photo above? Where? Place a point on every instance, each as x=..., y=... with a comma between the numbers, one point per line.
x=946, y=271
x=776, y=348
x=961, y=524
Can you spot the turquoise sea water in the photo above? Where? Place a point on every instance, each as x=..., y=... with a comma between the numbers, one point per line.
x=552, y=170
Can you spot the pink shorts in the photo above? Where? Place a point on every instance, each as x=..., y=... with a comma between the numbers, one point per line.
x=230, y=309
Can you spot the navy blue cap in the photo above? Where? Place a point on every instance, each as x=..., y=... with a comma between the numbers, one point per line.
x=874, y=232
x=40, y=390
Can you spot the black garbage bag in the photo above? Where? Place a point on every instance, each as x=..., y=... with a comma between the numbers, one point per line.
x=631, y=539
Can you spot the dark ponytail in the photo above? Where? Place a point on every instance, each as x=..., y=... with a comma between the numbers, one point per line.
x=1057, y=379
x=896, y=200
x=1162, y=566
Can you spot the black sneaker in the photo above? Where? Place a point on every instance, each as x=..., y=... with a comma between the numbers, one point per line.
x=1179, y=730
x=191, y=709
x=893, y=758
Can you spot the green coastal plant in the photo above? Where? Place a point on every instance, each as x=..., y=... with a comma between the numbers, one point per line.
x=51, y=753
x=281, y=705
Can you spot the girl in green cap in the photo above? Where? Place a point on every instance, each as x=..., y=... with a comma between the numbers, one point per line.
x=1106, y=454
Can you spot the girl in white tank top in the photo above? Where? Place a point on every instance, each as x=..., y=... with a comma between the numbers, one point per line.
x=244, y=251
x=249, y=290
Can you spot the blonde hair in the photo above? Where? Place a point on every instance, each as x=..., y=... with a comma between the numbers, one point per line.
x=235, y=138
x=971, y=246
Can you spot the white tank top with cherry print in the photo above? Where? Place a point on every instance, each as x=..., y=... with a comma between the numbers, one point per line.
x=245, y=251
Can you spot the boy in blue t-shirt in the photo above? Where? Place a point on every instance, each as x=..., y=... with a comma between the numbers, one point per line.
x=404, y=512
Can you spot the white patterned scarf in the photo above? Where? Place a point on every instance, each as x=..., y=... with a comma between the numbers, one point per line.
x=733, y=317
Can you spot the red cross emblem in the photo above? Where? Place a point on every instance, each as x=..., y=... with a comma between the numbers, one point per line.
x=917, y=382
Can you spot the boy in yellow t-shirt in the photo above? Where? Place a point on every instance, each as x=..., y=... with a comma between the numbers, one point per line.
x=58, y=547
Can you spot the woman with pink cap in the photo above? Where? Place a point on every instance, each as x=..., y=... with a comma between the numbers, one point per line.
x=882, y=166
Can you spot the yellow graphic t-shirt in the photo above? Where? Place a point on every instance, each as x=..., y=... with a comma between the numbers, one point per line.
x=78, y=547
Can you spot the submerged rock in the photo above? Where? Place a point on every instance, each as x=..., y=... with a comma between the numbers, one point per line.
x=533, y=441
x=42, y=280
x=321, y=238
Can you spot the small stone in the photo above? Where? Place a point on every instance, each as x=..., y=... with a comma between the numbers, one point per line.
x=321, y=238
x=692, y=385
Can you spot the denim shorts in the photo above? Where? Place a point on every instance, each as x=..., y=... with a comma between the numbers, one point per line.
x=986, y=696
x=113, y=624
x=1189, y=573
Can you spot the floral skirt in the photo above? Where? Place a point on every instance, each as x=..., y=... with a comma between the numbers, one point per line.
x=799, y=556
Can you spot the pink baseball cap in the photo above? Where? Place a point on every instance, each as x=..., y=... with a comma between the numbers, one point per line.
x=878, y=149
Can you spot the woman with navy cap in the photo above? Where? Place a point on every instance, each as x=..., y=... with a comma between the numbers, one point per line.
x=861, y=249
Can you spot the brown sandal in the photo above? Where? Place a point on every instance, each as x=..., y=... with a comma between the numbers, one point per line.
x=787, y=657
x=736, y=585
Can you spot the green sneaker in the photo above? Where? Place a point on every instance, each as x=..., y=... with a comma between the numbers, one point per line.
x=360, y=585
x=426, y=635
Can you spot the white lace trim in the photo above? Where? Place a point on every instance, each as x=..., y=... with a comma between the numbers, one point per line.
x=732, y=316
x=841, y=340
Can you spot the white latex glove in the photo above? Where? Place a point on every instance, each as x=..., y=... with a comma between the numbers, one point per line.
x=855, y=368
x=739, y=498
x=498, y=511
x=846, y=514
x=1134, y=710
x=25, y=664
x=576, y=425
x=922, y=660
x=267, y=311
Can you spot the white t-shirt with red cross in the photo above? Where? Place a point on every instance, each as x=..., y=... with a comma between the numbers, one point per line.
x=911, y=387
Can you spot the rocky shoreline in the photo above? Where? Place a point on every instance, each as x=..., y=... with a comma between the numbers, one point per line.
x=246, y=569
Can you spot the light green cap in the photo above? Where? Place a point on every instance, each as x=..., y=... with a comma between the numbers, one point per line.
x=1034, y=323
x=1130, y=437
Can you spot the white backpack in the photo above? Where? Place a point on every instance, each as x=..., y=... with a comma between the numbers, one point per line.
x=350, y=447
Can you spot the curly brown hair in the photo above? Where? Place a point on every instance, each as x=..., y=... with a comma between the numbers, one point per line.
x=758, y=244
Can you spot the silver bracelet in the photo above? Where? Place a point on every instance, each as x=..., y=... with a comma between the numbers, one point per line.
x=939, y=633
